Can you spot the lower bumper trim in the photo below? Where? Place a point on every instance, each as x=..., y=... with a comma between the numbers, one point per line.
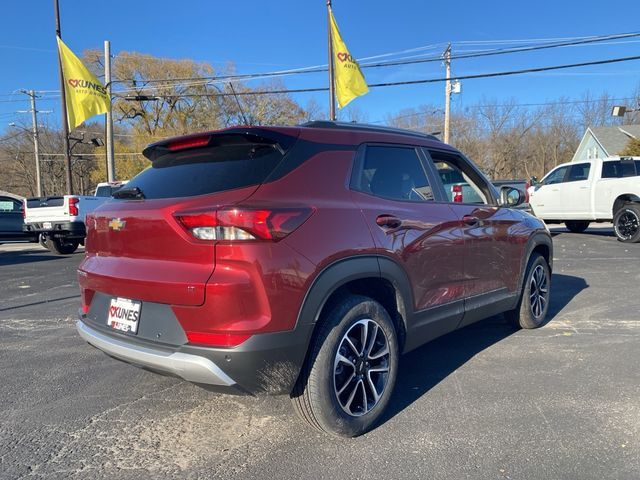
x=192, y=368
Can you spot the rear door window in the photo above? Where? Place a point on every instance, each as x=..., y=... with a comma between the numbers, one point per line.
x=620, y=169
x=229, y=164
x=395, y=173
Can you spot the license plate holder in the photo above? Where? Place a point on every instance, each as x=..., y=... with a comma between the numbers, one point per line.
x=124, y=315
x=46, y=225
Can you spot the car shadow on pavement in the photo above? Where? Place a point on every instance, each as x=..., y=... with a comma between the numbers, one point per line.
x=424, y=368
x=595, y=232
x=26, y=256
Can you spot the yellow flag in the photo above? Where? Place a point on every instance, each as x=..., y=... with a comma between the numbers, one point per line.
x=348, y=76
x=86, y=96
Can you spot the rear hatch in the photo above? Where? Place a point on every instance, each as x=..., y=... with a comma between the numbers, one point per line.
x=137, y=246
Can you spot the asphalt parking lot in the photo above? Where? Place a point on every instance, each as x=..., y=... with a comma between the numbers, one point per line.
x=562, y=401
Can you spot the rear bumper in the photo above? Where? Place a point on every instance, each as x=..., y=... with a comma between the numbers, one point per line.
x=266, y=363
x=67, y=229
x=192, y=368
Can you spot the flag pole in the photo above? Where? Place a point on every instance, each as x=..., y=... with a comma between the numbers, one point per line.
x=332, y=93
x=65, y=125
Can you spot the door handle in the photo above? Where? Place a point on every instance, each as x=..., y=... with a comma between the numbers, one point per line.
x=388, y=221
x=470, y=220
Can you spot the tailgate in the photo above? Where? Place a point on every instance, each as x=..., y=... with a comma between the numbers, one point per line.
x=136, y=248
x=45, y=208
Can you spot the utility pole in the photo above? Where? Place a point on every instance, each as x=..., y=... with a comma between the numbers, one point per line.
x=111, y=168
x=34, y=132
x=332, y=93
x=447, y=99
x=36, y=143
x=63, y=98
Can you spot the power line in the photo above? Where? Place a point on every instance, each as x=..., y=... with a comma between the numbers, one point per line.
x=411, y=82
x=502, y=51
x=196, y=81
x=510, y=72
x=6, y=139
x=437, y=58
x=542, y=104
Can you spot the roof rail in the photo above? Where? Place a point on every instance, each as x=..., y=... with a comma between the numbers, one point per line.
x=367, y=127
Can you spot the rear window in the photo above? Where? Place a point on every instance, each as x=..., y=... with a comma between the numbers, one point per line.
x=9, y=205
x=207, y=170
x=449, y=175
x=108, y=190
x=45, y=202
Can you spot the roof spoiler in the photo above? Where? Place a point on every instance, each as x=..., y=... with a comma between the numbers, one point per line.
x=230, y=136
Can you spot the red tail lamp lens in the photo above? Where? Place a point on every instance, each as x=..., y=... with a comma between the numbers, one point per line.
x=241, y=224
x=73, y=206
x=457, y=193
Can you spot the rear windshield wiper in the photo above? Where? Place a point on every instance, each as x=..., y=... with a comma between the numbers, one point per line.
x=133, y=192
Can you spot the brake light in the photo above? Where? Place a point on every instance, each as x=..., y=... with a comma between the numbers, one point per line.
x=188, y=143
x=237, y=224
x=22, y=209
x=526, y=192
x=73, y=206
x=457, y=193
x=217, y=339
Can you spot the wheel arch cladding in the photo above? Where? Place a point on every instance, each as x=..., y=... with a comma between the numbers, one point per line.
x=373, y=276
x=542, y=244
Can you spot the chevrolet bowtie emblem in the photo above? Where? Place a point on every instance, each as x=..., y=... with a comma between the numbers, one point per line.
x=116, y=224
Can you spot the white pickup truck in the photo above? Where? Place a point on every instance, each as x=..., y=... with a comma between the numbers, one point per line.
x=598, y=190
x=59, y=221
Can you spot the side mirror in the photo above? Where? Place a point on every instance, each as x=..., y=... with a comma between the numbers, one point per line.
x=511, y=197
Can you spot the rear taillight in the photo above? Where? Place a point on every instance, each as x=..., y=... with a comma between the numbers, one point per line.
x=24, y=213
x=236, y=224
x=526, y=192
x=73, y=206
x=456, y=190
x=217, y=339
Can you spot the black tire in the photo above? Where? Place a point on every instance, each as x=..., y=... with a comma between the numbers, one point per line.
x=577, y=226
x=626, y=223
x=61, y=246
x=533, y=304
x=326, y=383
x=44, y=242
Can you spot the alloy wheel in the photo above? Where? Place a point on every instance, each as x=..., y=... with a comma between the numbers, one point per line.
x=627, y=225
x=538, y=291
x=361, y=367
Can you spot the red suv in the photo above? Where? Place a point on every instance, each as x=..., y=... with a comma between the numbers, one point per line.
x=304, y=260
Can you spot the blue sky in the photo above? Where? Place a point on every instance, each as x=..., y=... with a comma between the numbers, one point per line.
x=278, y=34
